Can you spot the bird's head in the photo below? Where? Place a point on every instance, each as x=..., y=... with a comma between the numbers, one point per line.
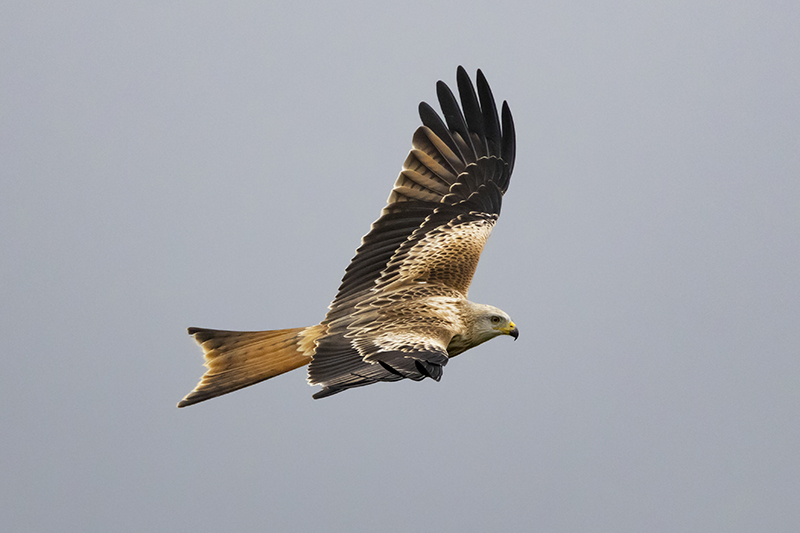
x=491, y=322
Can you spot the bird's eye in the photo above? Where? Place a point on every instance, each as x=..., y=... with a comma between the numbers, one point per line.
x=495, y=320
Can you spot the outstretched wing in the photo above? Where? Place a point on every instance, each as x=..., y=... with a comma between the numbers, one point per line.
x=424, y=247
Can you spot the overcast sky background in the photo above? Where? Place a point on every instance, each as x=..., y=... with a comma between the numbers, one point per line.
x=180, y=164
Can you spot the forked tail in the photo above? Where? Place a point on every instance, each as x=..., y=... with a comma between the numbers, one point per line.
x=238, y=359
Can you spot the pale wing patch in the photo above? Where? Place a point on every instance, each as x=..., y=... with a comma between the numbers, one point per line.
x=405, y=341
x=449, y=256
x=397, y=324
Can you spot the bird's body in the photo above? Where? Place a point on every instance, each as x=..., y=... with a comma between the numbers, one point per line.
x=402, y=308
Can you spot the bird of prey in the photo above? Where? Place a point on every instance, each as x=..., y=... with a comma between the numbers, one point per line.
x=402, y=308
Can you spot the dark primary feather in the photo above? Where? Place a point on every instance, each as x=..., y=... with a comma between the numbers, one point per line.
x=456, y=123
x=509, y=148
x=489, y=111
x=456, y=173
x=472, y=112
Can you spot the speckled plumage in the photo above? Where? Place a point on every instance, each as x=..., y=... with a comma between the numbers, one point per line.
x=402, y=309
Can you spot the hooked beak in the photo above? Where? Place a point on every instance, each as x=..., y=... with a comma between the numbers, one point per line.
x=513, y=331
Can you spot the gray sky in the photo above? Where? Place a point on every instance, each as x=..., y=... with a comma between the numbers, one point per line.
x=216, y=166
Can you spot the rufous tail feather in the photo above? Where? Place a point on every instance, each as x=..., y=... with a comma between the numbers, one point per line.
x=238, y=359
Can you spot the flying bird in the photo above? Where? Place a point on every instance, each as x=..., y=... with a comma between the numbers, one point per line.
x=402, y=309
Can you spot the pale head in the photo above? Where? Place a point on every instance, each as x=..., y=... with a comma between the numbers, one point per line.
x=484, y=322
